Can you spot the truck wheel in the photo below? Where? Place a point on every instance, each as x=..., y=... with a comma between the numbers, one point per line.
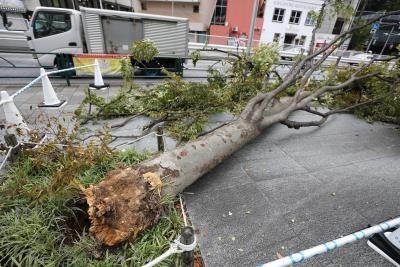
x=153, y=69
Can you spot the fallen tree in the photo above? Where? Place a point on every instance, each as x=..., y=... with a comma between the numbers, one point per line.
x=129, y=200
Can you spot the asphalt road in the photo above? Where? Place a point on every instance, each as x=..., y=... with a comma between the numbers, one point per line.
x=20, y=69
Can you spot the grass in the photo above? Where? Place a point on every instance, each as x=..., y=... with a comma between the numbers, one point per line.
x=43, y=220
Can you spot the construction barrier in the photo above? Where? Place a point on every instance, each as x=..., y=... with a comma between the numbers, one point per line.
x=331, y=245
x=14, y=119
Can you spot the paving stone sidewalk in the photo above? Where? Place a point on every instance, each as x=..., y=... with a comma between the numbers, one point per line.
x=286, y=191
x=290, y=190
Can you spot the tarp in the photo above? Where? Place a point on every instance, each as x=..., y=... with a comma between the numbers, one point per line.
x=12, y=6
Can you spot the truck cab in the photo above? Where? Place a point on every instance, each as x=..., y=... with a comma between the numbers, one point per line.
x=55, y=30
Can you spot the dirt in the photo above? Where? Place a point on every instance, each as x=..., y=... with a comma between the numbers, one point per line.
x=76, y=223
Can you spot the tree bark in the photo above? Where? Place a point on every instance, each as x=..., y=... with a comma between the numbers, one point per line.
x=128, y=200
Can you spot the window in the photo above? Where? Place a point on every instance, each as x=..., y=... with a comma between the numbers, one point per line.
x=195, y=8
x=337, y=29
x=310, y=20
x=50, y=23
x=302, y=40
x=279, y=13
x=219, y=13
x=295, y=17
x=277, y=36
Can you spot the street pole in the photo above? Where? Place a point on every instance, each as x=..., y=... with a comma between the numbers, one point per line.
x=251, y=30
x=101, y=4
x=370, y=41
x=387, y=40
x=172, y=5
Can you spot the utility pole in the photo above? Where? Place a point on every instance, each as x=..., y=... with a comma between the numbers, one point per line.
x=373, y=35
x=370, y=42
x=101, y=4
x=172, y=5
x=251, y=30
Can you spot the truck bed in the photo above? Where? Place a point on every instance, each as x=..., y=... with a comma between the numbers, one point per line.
x=113, y=32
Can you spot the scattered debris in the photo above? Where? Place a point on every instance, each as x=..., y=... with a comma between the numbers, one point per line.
x=233, y=238
x=333, y=194
x=230, y=213
x=247, y=212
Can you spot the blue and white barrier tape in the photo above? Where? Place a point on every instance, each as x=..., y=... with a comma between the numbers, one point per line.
x=20, y=91
x=73, y=68
x=331, y=245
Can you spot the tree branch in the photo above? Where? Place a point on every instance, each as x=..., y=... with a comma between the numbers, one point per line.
x=126, y=121
x=328, y=88
x=299, y=124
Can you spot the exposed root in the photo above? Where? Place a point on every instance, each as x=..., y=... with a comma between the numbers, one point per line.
x=122, y=206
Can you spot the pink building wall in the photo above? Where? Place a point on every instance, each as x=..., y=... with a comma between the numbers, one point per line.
x=238, y=14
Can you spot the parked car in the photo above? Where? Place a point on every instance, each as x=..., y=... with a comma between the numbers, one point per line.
x=12, y=32
x=288, y=53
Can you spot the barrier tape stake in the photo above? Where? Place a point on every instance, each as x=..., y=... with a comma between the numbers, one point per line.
x=187, y=238
x=160, y=140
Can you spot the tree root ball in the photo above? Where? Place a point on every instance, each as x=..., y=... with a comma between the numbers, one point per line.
x=122, y=206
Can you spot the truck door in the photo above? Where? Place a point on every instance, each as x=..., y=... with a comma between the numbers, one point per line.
x=120, y=33
x=55, y=32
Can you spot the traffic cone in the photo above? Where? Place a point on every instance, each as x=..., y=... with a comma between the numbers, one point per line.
x=388, y=245
x=50, y=98
x=14, y=118
x=98, y=79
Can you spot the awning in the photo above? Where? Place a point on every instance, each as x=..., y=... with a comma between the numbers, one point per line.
x=15, y=6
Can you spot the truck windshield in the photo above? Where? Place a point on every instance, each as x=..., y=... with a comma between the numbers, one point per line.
x=50, y=23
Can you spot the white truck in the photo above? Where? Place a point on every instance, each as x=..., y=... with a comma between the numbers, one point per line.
x=101, y=31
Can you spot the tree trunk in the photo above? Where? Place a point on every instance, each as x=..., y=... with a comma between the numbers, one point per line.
x=128, y=200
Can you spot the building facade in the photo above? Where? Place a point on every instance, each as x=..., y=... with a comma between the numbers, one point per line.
x=290, y=23
x=334, y=24
x=199, y=12
x=230, y=24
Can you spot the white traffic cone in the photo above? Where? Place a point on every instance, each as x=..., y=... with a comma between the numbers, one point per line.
x=98, y=79
x=50, y=99
x=14, y=118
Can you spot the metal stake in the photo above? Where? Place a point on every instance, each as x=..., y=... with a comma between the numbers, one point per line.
x=387, y=40
x=187, y=238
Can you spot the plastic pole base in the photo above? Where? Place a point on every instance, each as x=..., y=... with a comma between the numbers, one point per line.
x=58, y=105
x=105, y=86
x=381, y=244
